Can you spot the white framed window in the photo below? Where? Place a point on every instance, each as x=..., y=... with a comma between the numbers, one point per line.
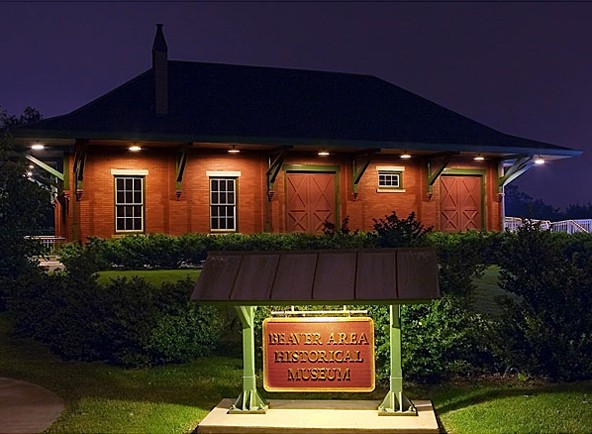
x=390, y=178
x=129, y=203
x=223, y=204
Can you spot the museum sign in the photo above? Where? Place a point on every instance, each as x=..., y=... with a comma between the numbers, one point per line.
x=318, y=354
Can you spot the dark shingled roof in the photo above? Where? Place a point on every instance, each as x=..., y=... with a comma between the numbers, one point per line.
x=266, y=105
x=385, y=276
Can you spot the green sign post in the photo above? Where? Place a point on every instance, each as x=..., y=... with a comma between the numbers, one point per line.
x=249, y=401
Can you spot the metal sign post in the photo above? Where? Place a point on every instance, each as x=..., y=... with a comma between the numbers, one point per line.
x=249, y=401
x=395, y=402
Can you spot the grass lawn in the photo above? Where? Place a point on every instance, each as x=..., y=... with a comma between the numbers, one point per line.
x=486, y=290
x=173, y=399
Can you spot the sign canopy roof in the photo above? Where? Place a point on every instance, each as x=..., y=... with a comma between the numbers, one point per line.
x=379, y=276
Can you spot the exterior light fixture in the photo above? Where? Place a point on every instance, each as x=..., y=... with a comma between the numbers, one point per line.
x=323, y=153
x=233, y=150
x=37, y=147
x=135, y=148
x=31, y=166
x=29, y=174
x=538, y=160
x=479, y=157
x=405, y=156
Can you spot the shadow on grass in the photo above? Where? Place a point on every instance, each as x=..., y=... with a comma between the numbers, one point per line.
x=480, y=396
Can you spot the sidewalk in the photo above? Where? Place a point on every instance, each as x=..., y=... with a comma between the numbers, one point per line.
x=50, y=264
x=26, y=407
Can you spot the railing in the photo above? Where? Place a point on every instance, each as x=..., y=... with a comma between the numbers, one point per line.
x=49, y=242
x=569, y=226
x=573, y=226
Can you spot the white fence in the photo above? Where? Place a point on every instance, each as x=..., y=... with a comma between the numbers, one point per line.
x=569, y=226
x=49, y=242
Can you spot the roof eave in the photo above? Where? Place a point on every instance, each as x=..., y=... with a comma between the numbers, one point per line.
x=68, y=136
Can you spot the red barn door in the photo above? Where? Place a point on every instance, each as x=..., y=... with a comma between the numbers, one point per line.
x=461, y=203
x=310, y=200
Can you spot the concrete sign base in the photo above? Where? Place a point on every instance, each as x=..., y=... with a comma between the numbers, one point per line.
x=318, y=416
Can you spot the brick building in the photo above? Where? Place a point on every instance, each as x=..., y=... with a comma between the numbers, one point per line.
x=214, y=148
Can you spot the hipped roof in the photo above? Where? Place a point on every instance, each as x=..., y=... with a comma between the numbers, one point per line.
x=250, y=104
x=379, y=276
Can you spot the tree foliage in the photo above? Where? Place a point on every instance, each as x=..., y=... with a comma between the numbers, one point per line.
x=520, y=204
x=22, y=208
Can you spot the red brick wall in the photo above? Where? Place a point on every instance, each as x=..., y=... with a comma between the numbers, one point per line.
x=164, y=213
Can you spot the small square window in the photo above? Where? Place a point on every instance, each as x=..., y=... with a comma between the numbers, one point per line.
x=390, y=180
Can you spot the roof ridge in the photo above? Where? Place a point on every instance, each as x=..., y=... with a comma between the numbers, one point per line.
x=277, y=68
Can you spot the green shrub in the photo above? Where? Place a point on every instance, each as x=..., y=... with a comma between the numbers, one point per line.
x=547, y=326
x=544, y=330
x=164, y=251
x=462, y=257
x=392, y=231
x=440, y=339
x=127, y=322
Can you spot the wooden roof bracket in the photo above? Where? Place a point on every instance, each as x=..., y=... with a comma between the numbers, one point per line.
x=275, y=166
x=53, y=172
x=79, y=160
x=520, y=165
x=45, y=184
x=181, y=161
x=434, y=172
x=359, y=165
x=57, y=179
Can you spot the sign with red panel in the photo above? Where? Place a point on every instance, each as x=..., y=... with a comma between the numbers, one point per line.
x=318, y=354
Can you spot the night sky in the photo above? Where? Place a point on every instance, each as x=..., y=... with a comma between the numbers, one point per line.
x=522, y=68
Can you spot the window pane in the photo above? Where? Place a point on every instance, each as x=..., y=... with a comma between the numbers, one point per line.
x=129, y=199
x=222, y=201
x=389, y=179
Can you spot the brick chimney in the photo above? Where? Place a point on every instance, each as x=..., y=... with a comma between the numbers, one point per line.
x=160, y=70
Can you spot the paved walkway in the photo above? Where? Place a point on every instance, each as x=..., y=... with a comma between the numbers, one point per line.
x=26, y=407
x=50, y=264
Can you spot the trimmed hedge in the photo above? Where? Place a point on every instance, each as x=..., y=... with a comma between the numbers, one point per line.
x=166, y=251
x=545, y=327
x=127, y=322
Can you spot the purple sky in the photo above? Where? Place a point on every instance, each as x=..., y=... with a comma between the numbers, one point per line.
x=522, y=68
